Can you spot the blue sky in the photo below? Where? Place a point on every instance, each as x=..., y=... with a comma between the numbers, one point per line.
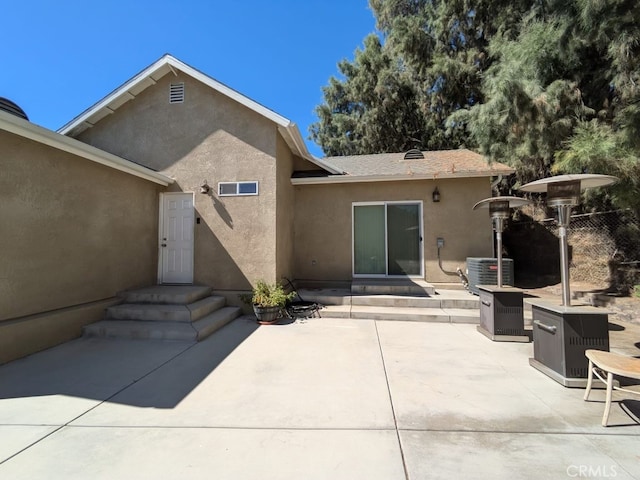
x=60, y=57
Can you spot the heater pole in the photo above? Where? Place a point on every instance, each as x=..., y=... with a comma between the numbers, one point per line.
x=498, y=227
x=564, y=217
x=499, y=246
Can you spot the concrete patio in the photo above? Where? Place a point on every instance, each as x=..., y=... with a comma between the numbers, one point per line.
x=323, y=398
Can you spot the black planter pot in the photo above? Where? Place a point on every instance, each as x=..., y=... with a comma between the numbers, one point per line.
x=266, y=315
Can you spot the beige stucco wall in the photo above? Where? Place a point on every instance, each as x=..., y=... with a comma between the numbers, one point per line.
x=211, y=137
x=73, y=232
x=323, y=225
x=302, y=232
x=285, y=211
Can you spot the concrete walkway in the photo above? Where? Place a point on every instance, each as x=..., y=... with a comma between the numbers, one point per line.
x=316, y=399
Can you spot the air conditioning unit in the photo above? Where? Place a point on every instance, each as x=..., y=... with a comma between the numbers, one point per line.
x=484, y=271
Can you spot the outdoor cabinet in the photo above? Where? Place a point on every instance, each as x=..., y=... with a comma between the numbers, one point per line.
x=562, y=335
x=501, y=314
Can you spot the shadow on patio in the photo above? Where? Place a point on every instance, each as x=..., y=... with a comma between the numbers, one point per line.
x=101, y=369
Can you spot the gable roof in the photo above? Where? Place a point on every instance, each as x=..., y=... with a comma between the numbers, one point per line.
x=169, y=64
x=24, y=128
x=384, y=167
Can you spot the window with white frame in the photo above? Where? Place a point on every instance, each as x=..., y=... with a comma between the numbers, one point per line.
x=231, y=189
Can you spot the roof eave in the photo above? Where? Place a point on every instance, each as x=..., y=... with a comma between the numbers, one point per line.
x=144, y=79
x=395, y=178
x=31, y=131
x=301, y=150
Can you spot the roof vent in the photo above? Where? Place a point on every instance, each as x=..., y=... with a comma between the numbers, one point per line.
x=8, y=106
x=176, y=92
x=414, y=154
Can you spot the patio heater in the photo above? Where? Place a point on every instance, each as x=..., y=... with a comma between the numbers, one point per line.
x=501, y=316
x=562, y=333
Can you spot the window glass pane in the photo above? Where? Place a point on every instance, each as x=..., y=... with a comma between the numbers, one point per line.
x=369, y=241
x=248, y=188
x=227, y=188
x=403, y=231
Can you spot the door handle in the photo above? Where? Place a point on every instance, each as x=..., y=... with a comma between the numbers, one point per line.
x=547, y=328
x=163, y=244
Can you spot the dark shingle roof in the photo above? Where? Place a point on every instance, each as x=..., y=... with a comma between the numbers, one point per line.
x=439, y=163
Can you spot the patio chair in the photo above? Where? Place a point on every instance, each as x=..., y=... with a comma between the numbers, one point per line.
x=608, y=364
x=300, y=308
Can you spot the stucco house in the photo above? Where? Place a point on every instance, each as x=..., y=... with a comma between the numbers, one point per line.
x=176, y=178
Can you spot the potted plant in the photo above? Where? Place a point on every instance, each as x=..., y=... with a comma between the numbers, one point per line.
x=268, y=300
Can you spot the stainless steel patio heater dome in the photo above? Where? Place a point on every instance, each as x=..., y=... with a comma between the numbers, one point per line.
x=562, y=334
x=501, y=315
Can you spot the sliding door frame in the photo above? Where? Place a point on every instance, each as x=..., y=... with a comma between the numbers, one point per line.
x=419, y=203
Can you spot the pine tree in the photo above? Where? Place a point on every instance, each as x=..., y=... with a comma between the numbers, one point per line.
x=425, y=63
x=373, y=110
x=547, y=86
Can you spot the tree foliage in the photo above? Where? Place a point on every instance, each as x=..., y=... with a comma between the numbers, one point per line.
x=547, y=86
x=532, y=102
x=424, y=64
x=562, y=96
x=373, y=110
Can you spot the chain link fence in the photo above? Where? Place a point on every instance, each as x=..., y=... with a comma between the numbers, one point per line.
x=604, y=247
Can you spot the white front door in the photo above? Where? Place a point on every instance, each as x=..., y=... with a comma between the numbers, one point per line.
x=176, y=238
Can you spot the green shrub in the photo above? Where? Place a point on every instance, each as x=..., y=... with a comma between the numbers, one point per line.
x=268, y=295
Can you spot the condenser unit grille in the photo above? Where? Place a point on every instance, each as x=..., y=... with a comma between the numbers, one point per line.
x=484, y=271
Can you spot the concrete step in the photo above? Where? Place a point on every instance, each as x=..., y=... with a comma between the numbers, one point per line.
x=136, y=330
x=205, y=306
x=150, y=312
x=326, y=296
x=415, y=314
x=336, y=311
x=165, y=312
x=450, y=306
x=167, y=330
x=406, y=314
x=454, y=299
x=469, y=303
x=167, y=294
x=449, y=286
x=215, y=321
x=395, y=301
x=389, y=286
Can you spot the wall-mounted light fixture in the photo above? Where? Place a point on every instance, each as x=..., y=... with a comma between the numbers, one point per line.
x=204, y=188
x=435, y=195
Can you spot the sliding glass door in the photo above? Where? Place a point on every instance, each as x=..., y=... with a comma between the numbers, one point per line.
x=387, y=239
x=369, y=243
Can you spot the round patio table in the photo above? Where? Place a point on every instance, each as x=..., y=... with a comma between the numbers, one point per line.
x=601, y=363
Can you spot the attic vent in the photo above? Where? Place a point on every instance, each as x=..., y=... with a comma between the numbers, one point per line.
x=414, y=154
x=176, y=93
x=12, y=108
